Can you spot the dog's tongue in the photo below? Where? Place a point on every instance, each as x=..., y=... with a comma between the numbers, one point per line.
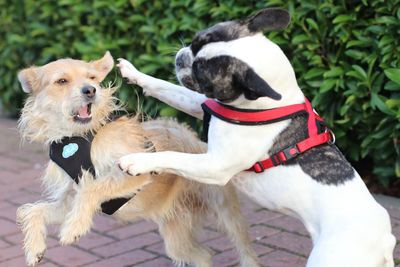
x=84, y=112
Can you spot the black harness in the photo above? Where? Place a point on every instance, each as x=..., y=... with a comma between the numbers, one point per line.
x=72, y=154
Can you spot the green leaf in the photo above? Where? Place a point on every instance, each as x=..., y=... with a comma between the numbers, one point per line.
x=327, y=85
x=393, y=74
x=379, y=102
x=334, y=72
x=312, y=73
x=342, y=18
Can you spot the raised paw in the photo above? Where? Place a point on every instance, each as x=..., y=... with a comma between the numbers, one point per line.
x=128, y=71
x=136, y=164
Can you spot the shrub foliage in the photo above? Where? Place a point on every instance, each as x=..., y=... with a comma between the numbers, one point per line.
x=345, y=54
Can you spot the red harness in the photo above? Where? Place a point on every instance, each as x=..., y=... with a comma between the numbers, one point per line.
x=316, y=135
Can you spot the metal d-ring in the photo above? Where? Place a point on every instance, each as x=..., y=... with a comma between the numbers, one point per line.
x=333, y=137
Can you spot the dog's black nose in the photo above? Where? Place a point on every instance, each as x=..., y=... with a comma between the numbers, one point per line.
x=89, y=91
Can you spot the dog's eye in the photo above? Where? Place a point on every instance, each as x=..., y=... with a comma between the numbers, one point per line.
x=92, y=77
x=62, y=81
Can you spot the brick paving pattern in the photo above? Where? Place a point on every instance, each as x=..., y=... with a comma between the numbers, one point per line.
x=280, y=241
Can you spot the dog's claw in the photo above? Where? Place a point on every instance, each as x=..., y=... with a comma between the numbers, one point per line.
x=119, y=166
x=40, y=257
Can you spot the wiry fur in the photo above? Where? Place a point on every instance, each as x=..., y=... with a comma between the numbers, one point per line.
x=177, y=205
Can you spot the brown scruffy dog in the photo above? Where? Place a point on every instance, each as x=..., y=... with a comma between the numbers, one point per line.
x=69, y=111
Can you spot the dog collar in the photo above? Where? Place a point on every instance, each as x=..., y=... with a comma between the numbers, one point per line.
x=72, y=154
x=318, y=133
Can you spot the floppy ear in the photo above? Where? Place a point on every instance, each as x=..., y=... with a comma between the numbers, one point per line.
x=268, y=19
x=254, y=86
x=29, y=79
x=103, y=65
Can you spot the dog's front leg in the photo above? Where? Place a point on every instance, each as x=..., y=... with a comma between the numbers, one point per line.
x=85, y=205
x=204, y=168
x=33, y=219
x=176, y=96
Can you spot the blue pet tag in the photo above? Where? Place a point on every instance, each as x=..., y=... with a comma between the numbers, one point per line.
x=69, y=150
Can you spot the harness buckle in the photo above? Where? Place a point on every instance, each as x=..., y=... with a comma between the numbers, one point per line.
x=258, y=167
x=291, y=152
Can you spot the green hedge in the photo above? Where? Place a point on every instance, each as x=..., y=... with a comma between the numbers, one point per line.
x=345, y=54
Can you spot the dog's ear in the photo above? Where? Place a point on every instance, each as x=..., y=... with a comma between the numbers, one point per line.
x=103, y=65
x=268, y=19
x=29, y=79
x=254, y=86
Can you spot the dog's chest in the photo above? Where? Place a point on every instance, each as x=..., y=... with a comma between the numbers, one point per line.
x=292, y=187
x=72, y=154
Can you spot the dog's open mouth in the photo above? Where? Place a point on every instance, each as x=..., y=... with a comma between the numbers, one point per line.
x=83, y=115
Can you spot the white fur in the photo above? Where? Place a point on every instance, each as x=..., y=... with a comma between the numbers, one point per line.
x=348, y=227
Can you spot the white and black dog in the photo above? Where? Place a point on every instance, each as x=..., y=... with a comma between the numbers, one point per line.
x=235, y=64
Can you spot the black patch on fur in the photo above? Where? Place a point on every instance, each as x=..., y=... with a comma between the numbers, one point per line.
x=226, y=78
x=268, y=19
x=325, y=163
x=221, y=32
x=265, y=19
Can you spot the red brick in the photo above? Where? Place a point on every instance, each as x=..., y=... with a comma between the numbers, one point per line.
x=16, y=262
x=8, y=228
x=159, y=262
x=69, y=256
x=9, y=214
x=206, y=235
x=4, y=244
x=5, y=205
x=125, y=245
x=10, y=253
x=295, y=243
x=288, y=224
x=225, y=259
x=220, y=244
x=261, y=249
x=104, y=223
x=258, y=232
x=282, y=259
x=262, y=216
x=133, y=229
x=157, y=248
x=127, y=259
x=93, y=240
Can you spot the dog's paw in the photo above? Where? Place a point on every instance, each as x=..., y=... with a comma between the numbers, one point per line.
x=128, y=71
x=35, y=256
x=69, y=235
x=137, y=164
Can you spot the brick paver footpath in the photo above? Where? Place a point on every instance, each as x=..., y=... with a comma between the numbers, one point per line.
x=280, y=241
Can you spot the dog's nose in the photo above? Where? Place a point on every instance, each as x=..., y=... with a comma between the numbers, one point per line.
x=88, y=91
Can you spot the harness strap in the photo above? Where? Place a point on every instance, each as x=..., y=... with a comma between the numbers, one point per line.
x=252, y=117
x=317, y=131
x=290, y=152
x=72, y=154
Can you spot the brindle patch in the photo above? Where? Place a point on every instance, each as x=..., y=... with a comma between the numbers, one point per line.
x=325, y=163
x=226, y=78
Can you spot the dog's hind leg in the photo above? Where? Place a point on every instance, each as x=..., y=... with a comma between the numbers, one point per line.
x=181, y=245
x=33, y=219
x=231, y=220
